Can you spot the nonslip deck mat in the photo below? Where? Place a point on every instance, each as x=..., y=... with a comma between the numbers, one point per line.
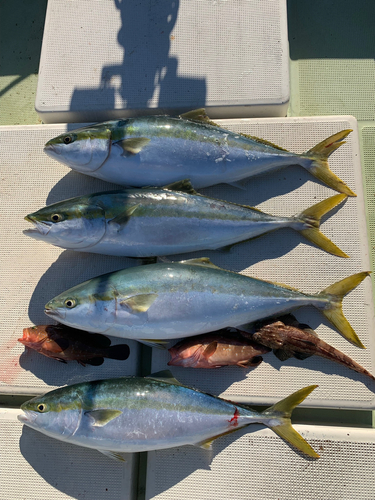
x=36, y=466
x=109, y=59
x=255, y=464
x=32, y=272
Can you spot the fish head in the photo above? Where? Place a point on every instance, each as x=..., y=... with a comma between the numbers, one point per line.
x=56, y=414
x=84, y=149
x=34, y=336
x=89, y=306
x=71, y=224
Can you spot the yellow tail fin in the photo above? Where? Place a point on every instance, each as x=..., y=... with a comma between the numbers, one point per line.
x=333, y=309
x=312, y=217
x=319, y=166
x=281, y=412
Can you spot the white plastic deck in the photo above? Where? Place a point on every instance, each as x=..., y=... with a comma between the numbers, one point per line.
x=32, y=272
x=36, y=466
x=103, y=59
x=255, y=464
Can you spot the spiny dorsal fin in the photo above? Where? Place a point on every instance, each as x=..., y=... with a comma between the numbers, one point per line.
x=164, y=376
x=198, y=115
x=185, y=186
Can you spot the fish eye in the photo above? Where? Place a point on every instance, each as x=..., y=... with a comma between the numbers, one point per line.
x=56, y=217
x=70, y=303
x=41, y=407
x=68, y=139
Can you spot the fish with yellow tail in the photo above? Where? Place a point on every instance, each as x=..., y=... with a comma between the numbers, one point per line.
x=159, y=150
x=164, y=301
x=134, y=414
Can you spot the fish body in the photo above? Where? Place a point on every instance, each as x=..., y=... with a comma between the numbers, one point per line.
x=64, y=344
x=134, y=414
x=288, y=338
x=217, y=349
x=175, y=300
x=159, y=150
x=151, y=221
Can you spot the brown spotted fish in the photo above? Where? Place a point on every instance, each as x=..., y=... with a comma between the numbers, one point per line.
x=63, y=343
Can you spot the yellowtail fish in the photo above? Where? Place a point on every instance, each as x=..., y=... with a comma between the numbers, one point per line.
x=134, y=414
x=159, y=150
x=151, y=222
x=164, y=301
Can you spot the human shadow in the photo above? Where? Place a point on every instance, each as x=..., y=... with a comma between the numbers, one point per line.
x=147, y=81
x=76, y=471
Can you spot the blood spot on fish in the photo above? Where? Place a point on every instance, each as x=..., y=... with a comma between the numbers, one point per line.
x=234, y=420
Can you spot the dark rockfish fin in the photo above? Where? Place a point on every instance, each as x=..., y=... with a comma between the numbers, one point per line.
x=281, y=413
x=312, y=217
x=120, y=352
x=332, y=310
x=319, y=166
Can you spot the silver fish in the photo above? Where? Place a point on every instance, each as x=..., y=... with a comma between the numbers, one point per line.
x=152, y=221
x=134, y=414
x=175, y=300
x=159, y=150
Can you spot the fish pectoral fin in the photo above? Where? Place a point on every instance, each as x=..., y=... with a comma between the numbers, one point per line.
x=113, y=454
x=184, y=186
x=139, y=303
x=124, y=216
x=210, y=349
x=282, y=354
x=101, y=418
x=164, y=376
x=198, y=115
x=159, y=344
x=133, y=145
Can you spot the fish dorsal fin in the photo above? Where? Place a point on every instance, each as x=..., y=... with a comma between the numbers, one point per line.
x=113, y=454
x=199, y=115
x=101, y=417
x=139, y=303
x=124, y=216
x=263, y=141
x=185, y=186
x=133, y=145
x=164, y=376
x=201, y=261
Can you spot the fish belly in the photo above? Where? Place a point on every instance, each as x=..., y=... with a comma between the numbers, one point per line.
x=184, y=314
x=164, y=161
x=155, y=236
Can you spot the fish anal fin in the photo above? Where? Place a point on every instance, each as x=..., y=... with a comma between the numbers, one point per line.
x=133, y=145
x=164, y=376
x=113, y=454
x=102, y=417
x=207, y=443
x=139, y=303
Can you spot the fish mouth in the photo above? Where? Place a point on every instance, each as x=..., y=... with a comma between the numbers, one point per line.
x=27, y=417
x=50, y=148
x=39, y=229
x=53, y=313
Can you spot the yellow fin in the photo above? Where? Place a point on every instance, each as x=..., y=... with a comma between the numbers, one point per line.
x=333, y=309
x=133, y=145
x=113, y=454
x=159, y=344
x=185, y=186
x=140, y=303
x=200, y=261
x=101, y=417
x=164, y=376
x=198, y=115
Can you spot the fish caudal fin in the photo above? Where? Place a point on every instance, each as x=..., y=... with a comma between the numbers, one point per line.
x=319, y=166
x=312, y=216
x=281, y=413
x=333, y=308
